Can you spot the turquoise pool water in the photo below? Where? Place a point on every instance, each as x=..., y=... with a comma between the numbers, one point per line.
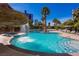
x=44, y=42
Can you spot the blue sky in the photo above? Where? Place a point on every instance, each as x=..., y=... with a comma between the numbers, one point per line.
x=57, y=10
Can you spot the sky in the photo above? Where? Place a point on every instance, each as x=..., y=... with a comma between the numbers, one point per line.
x=61, y=11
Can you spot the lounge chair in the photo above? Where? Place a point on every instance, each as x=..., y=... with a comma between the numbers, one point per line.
x=72, y=32
x=77, y=33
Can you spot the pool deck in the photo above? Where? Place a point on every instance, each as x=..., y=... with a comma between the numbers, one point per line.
x=10, y=50
x=5, y=40
x=68, y=35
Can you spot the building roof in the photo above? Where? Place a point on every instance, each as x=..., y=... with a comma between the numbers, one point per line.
x=9, y=16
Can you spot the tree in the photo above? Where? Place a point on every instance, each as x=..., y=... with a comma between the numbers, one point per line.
x=31, y=23
x=56, y=22
x=45, y=12
x=62, y=26
x=76, y=15
x=76, y=26
x=39, y=25
x=69, y=24
x=49, y=25
x=36, y=22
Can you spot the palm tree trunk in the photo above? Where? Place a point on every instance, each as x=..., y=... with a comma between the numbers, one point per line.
x=44, y=24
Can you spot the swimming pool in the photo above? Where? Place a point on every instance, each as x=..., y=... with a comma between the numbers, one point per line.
x=44, y=42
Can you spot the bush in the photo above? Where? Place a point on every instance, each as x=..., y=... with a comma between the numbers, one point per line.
x=56, y=27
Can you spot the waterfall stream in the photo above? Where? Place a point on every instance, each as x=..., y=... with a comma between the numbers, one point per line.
x=24, y=28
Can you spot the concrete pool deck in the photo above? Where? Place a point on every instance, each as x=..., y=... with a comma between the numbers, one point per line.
x=8, y=51
x=5, y=40
x=67, y=35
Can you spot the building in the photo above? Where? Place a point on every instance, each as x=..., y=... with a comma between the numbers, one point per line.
x=30, y=19
x=30, y=16
x=10, y=19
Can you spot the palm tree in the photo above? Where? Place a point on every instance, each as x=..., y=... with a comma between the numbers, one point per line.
x=76, y=15
x=56, y=22
x=45, y=12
